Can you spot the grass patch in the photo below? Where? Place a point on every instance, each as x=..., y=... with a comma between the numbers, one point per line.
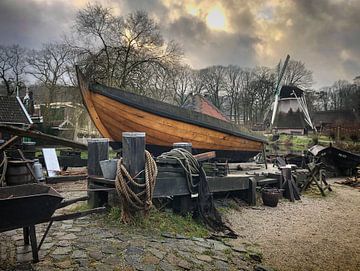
x=158, y=222
x=80, y=207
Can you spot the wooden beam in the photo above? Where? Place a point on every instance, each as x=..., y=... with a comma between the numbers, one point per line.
x=39, y=135
x=205, y=156
x=8, y=143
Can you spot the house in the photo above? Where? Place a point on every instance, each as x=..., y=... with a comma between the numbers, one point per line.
x=202, y=105
x=67, y=119
x=343, y=122
x=13, y=112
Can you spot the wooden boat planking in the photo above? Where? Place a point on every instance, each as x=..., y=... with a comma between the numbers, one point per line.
x=114, y=111
x=170, y=131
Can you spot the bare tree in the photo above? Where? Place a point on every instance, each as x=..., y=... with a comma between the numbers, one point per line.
x=296, y=74
x=264, y=83
x=49, y=66
x=12, y=67
x=213, y=79
x=233, y=88
x=121, y=47
x=184, y=82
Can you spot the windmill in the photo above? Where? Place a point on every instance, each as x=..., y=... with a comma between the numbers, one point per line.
x=290, y=112
x=277, y=89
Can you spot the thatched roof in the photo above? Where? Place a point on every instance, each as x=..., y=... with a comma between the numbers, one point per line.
x=12, y=111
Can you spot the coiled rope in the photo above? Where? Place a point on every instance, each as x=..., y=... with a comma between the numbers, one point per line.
x=205, y=204
x=134, y=194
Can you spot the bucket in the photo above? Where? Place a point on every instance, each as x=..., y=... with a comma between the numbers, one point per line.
x=17, y=173
x=108, y=168
x=270, y=196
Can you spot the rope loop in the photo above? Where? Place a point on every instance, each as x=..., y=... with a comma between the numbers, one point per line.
x=134, y=194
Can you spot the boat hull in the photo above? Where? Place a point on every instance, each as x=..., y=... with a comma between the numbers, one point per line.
x=113, y=114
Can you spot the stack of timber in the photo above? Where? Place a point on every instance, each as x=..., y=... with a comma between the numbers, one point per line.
x=114, y=111
x=353, y=182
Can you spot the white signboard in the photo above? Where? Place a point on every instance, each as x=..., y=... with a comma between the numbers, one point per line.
x=51, y=161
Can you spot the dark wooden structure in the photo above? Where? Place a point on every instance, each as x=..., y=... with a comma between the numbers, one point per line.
x=171, y=180
x=115, y=111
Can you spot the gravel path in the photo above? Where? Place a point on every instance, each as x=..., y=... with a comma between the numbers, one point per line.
x=313, y=234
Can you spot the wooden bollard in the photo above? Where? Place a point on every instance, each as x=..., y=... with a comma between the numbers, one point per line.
x=184, y=145
x=133, y=144
x=98, y=150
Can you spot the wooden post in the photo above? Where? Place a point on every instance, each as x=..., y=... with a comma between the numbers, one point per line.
x=98, y=150
x=183, y=204
x=252, y=191
x=133, y=144
x=184, y=145
x=264, y=154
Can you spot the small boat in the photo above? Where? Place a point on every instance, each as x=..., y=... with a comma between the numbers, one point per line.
x=344, y=162
x=114, y=111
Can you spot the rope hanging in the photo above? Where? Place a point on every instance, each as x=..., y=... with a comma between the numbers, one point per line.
x=125, y=185
x=205, y=204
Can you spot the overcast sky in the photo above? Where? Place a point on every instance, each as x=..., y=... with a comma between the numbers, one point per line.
x=325, y=34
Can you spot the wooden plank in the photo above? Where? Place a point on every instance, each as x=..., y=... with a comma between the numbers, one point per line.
x=180, y=131
x=177, y=186
x=205, y=156
x=267, y=181
x=39, y=135
x=166, y=135
x=61, y=179
x=223, y=184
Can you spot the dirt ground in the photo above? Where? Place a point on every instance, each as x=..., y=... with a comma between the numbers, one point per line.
x=312, y=234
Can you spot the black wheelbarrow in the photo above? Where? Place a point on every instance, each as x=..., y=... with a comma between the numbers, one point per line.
x=24, y=206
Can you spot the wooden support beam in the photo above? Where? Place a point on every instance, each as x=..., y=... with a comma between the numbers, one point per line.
x=98, y=150
x=8, y=143
x=62, y=179
x=39, y=135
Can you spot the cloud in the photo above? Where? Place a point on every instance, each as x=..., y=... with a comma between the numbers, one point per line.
x=319, y=33
x=325, y=34
x=31, y=23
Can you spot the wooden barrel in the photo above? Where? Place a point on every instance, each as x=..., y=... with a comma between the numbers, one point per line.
x=17, y=173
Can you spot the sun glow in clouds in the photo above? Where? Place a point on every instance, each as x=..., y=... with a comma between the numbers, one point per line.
x=216, y=19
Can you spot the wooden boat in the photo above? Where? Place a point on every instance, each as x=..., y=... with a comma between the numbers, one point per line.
x=344, y=162
x=114, y=111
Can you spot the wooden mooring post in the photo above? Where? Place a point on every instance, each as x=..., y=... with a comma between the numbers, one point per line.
x=183, y=145
x=133, y=152
x=98, y=150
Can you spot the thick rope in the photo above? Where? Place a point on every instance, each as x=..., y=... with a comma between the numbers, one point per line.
x=135, y=195
x=205, y=204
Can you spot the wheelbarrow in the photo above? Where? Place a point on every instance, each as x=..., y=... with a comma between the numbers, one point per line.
x=24, y=206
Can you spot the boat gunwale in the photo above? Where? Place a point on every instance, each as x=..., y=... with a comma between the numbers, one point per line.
x=162, y=109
